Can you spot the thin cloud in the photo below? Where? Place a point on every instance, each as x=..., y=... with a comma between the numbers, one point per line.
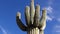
x=56, y=29
x=49, y=18
x=58, y=19
x=49, y=11
x=3, y=30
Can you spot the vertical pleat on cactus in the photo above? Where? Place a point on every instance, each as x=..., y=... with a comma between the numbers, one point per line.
x=32, y=12
x=27, y=15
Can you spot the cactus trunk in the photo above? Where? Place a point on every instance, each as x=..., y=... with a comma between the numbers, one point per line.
x=33, y=30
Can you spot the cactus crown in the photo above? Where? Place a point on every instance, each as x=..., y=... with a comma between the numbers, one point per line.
x=32, y=16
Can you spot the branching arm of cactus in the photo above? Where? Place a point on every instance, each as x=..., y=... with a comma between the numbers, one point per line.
x=43, y=20
x=19, y=22
x=27, y=15
x=37, y=15
x=32, y=11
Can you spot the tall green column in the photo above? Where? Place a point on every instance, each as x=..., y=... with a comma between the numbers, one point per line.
x=35, y=24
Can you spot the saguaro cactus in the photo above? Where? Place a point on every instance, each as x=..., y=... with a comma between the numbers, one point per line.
x=34, y=23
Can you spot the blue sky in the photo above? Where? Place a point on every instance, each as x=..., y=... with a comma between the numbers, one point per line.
x=9, y=8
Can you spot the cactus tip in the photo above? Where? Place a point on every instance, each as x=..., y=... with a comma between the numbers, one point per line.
x=18, y=14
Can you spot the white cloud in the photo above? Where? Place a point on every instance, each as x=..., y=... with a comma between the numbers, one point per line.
x=49, y=18
x=3, y=30
x=49, y=9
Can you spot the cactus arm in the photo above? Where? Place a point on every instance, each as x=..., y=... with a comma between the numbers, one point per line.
x=19, y=22
x=32, y=11
x=43, y=20
x=37, y=15
x=27, y=15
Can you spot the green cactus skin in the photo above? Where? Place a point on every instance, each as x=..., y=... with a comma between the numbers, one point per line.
x=35, y=24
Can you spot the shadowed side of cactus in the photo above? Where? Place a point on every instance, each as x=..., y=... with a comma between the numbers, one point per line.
x=19, y=22
x=35, y=24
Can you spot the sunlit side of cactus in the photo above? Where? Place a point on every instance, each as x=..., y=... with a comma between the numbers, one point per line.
x=35, y=24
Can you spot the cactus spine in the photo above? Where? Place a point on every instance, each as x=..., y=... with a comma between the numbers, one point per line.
x=34, y=24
